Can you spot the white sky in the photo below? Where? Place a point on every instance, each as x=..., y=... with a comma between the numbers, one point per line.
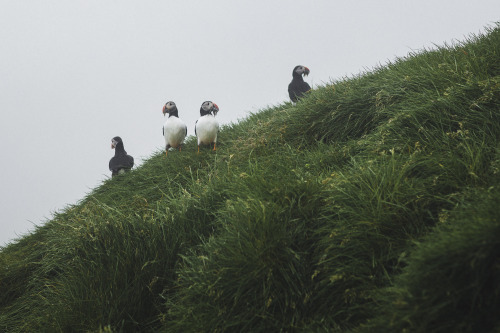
x=74, y=74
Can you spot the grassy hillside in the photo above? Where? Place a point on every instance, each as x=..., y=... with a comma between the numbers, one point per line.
x=372, y=205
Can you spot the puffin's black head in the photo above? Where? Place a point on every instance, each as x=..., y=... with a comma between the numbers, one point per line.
x=116, y=142
x=300, y=70
x=169, y=108
x=209, y=107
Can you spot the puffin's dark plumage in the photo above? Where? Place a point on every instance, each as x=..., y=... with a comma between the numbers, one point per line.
x=298, y=87
x=121, y=162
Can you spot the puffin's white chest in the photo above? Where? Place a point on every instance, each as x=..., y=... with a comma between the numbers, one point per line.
x=174, y=131
x=206, y=129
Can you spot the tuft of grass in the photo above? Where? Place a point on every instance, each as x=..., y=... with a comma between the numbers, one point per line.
x=451, y=279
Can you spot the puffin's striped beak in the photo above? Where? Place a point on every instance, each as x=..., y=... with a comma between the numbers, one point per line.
x=306, y=73
x=163, y=110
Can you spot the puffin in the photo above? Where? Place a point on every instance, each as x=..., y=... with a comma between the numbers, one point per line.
x=298, y=87
x=121, y=162
x=206, y=127
x=174, y=129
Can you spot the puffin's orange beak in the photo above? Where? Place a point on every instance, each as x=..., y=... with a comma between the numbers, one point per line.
x=163, y=110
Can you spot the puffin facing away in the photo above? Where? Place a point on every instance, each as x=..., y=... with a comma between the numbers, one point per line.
x=174, y=129
x=298, y=87
x=121, y=162
x=206, y=127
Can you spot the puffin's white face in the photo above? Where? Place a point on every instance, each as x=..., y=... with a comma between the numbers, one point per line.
x=168, y=106
x=207, y=106
x=302, y=70
x=113, y=143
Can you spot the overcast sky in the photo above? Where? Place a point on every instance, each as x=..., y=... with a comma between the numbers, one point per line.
x=74, y=74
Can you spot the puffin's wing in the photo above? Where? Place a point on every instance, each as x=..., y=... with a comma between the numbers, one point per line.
x=297, y=89
x=307, y=87
x=291, y=92
x=196, y=123
x=185, y=130
x=120, y=162
x=130, y=161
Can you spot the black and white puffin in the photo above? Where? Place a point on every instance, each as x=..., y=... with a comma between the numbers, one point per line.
x=206, y=127
x=298, y=87
x=174, y=129
x=121, y=162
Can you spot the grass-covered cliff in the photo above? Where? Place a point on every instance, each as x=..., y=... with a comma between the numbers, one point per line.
x=372, y=205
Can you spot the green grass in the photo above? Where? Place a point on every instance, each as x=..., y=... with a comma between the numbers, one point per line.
x=371, y=205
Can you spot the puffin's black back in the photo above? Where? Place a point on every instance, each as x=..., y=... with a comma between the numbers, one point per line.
x=121, y=161
x=298, y=87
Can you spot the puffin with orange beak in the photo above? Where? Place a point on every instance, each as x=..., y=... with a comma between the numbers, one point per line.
x=174, y=129
x=298, y=87
x=121, y=162
x=206, y=127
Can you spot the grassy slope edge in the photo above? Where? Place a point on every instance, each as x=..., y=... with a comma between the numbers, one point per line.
x=371, y=204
